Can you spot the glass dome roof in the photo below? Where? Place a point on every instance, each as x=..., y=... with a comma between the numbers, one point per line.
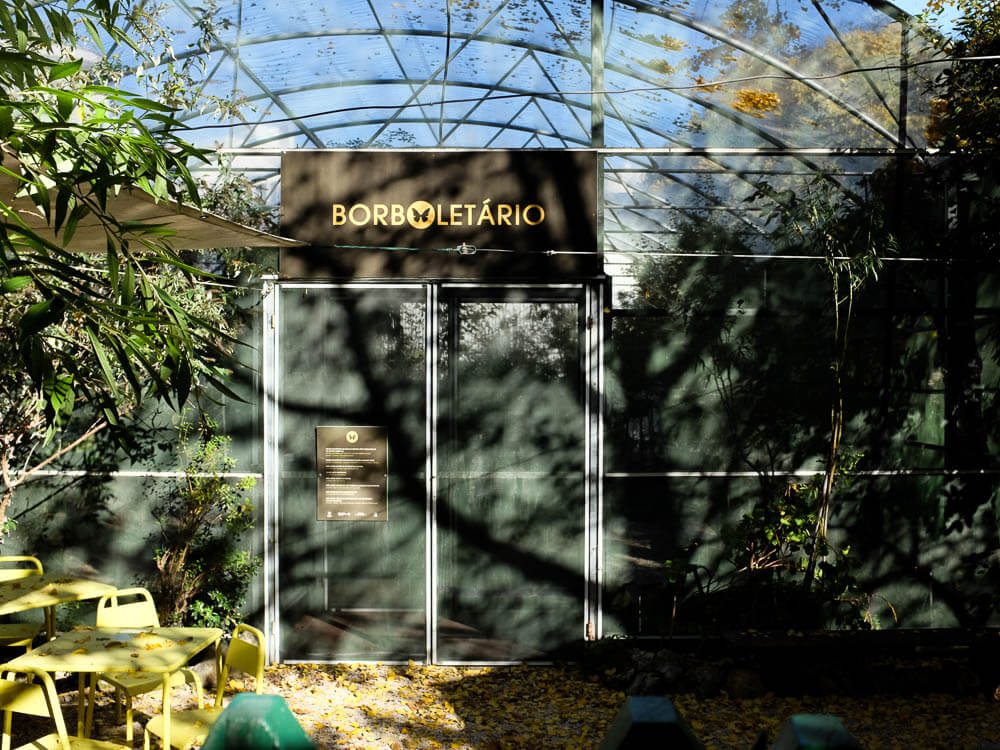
x=519, y=73
x=687, y=100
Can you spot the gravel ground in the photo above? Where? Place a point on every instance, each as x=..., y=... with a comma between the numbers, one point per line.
x=508, y=708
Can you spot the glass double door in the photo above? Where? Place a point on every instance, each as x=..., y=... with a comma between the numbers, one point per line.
x=479, y=394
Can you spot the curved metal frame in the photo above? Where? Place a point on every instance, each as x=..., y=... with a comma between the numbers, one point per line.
x=309, y=130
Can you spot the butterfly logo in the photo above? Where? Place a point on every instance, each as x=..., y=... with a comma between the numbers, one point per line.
x=420, y=214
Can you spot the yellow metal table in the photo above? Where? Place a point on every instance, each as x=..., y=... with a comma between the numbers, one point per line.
x=88, y=650
x=45, y=592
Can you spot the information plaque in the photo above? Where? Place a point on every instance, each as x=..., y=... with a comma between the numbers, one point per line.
x=351, y=472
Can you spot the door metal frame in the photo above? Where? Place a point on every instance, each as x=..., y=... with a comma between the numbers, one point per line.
x=592, y=361
x=269, y=397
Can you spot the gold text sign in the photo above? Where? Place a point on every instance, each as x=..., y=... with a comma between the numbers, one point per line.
x=352, y=473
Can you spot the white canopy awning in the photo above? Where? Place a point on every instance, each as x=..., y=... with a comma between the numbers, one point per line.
x=191, y=228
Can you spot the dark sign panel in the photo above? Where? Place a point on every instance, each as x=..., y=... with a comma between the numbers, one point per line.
x=351, y=467
x=446, y=202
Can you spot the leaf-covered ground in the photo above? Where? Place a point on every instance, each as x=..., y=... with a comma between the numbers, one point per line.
x=503, y=708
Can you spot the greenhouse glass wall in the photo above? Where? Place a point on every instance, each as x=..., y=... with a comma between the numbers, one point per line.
x=584, y=289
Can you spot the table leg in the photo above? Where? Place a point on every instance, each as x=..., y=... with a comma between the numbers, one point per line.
x=166, y=711
x=91, y=700
x=50, y=622
x=218, y=673
x=81, y=703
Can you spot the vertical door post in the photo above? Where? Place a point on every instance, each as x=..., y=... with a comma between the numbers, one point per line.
x=269, y=397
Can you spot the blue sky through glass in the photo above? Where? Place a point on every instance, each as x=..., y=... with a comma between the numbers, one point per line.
x=755, y=74
x=945, y=21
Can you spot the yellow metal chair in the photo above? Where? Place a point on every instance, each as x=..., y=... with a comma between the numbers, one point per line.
x=189, y=728
x=134, y=608
x=14, y=568
x=35, y=694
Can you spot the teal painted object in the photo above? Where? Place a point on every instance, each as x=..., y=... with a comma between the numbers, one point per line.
x=649, y=721
x=257, y=722
x=814, y=732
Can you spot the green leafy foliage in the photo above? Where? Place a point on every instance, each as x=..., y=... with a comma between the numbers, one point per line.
x=773, y=566
x=202, y=571
x=774, y=540
x=88, y=339
x=771, y=538
x=766, y=554
x=171, y=77
x=966, y=108
x=848, y=233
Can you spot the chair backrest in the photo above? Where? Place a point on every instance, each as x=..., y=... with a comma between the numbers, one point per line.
x=15, y=567
x=24, y=696
x=244, y=656
x=127, y=608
